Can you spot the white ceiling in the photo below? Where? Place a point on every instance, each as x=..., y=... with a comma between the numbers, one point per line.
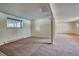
x=66, y=11
x=26, y=10
x=61, y=11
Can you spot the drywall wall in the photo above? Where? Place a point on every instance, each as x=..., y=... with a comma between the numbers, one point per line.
x=65, y=27
x=76, y=29
x=9, y=34
x=41, y=27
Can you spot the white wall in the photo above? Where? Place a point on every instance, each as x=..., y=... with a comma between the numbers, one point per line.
x=76, y=29
x=65, y=27
x=41, y=27
x=8, y=34
x=62, y=28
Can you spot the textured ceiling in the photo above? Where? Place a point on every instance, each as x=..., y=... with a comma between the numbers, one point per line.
x=26, y=10
x=66, y=11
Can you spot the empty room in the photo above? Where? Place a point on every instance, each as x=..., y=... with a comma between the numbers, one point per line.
x=39, y=29
x=66, y=40
x=25, y=29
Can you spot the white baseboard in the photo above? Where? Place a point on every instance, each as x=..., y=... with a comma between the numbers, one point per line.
x=5, y=42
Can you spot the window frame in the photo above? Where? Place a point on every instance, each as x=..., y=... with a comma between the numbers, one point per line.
x=21, y=23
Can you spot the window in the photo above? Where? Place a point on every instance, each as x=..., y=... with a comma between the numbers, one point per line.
x=77, y=25
x=14, y=23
